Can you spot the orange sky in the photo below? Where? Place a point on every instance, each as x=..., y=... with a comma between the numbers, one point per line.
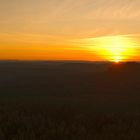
x=70, y=30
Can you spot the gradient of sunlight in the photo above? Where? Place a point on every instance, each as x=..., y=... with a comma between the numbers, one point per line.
x=111, y=48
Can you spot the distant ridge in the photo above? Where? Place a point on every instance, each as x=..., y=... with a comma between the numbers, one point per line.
x=126, y=68
x=120, y=78
x=55, y=78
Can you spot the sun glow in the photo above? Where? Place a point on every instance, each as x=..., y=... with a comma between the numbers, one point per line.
x=117, y=59
x=111, y=48
x=116, y=48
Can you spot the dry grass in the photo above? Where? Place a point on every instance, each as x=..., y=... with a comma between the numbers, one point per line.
x=36, y=120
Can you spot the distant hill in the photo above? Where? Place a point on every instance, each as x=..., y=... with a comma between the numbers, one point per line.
x=120, y=78
x=66, y=78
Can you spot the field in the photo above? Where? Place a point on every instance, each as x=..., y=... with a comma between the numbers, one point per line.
x=69, y=100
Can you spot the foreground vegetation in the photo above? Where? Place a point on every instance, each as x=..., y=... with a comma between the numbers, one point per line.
x=55, y=119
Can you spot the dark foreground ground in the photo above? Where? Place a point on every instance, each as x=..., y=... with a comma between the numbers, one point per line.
x=69, y=101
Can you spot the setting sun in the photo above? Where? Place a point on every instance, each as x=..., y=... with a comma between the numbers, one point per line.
x=117, y=59
x=110, y=48
x=115, y=48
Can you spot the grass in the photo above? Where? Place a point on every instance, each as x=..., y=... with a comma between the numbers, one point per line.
x=49, y=118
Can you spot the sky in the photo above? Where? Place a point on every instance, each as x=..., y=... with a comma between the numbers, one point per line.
x=70, y=29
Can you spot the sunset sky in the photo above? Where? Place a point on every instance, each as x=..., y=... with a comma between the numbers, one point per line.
x=70, y=30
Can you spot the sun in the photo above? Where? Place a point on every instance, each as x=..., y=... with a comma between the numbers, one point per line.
x=113, y=48
x=119, y=48
x=117, y=59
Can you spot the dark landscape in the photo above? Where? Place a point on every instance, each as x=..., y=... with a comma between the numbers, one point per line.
x=69, y=100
